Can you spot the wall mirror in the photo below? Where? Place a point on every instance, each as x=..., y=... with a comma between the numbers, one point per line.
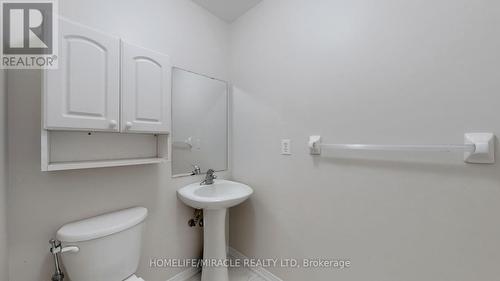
x=199, y=123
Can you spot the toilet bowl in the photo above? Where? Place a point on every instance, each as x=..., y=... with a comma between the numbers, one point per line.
x=107, y=247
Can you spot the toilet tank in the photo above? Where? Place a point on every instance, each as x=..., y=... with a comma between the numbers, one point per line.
x=109, y=245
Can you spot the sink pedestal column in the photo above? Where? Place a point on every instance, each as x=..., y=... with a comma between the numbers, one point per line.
x=214, y=245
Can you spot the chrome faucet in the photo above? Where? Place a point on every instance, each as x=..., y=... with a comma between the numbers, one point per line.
x=209, y=178
x=196, y=170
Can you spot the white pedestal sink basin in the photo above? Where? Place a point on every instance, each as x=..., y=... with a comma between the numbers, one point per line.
x=214, y=199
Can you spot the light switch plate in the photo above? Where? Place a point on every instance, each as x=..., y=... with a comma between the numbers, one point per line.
x=286, y=147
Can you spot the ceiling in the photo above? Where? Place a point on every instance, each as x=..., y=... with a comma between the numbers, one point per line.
x=228, y=10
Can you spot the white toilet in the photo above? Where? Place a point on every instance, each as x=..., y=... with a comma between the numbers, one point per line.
x=104, y=248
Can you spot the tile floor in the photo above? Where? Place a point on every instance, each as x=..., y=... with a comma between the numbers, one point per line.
x=235, y=274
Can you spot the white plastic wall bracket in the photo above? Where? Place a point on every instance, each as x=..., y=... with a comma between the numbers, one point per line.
x=315, y=145
x=485, y=148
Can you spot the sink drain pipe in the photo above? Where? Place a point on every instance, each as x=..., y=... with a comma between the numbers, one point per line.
x=197, y=220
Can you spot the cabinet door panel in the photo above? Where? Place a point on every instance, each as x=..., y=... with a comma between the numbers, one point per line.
x=145, y=90
x=84, y=93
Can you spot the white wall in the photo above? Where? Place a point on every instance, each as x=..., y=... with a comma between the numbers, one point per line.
x=39, y=203
x=376, y=72
x=3, y=179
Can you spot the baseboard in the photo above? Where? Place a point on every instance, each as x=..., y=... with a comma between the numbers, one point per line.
x=186, y=275
x=259, y=271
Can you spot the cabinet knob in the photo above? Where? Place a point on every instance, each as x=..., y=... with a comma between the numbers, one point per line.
x=113, y=123
x=128, y=125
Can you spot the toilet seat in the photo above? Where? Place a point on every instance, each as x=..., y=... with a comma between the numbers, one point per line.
x=134, y=278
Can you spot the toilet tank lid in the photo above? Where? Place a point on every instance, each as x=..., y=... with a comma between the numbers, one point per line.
x=103, y=225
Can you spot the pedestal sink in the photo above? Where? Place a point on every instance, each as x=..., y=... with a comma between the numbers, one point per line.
x=214, y=199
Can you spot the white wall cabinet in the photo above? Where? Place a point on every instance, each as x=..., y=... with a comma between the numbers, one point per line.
x=84, y=93
x=110, y=87
x=103, y=84
x=146, y=90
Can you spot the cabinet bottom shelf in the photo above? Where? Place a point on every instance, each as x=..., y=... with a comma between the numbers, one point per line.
x=59, y=166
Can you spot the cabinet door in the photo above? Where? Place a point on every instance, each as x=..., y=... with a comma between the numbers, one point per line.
x=84, y=93
x=146, y=90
